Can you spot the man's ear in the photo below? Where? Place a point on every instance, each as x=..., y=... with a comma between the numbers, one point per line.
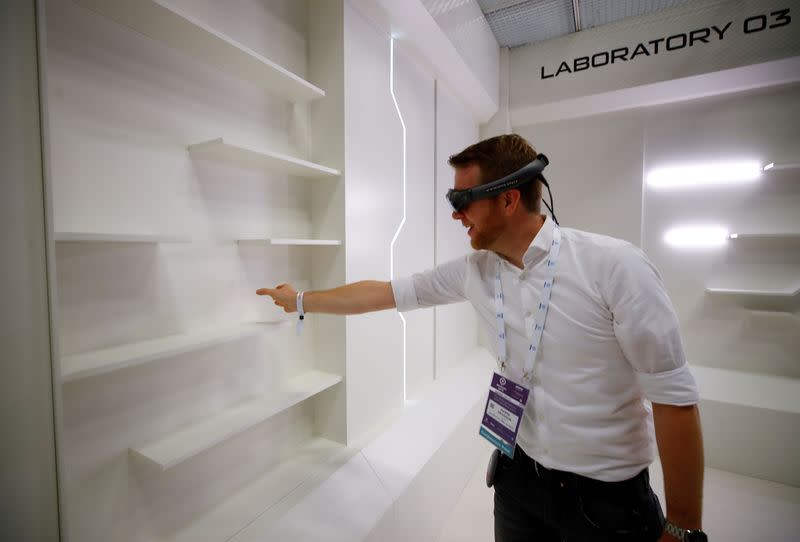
x=511, y=200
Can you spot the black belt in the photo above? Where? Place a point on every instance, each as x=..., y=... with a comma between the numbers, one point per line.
x=570, y=480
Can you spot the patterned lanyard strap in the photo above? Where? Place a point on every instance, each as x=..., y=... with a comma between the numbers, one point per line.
x=541, y=313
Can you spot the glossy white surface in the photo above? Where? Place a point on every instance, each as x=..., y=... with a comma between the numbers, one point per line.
x=456, y=325
x=477, y=89
x=220, y=149
x=76, y=236
x=186, y=33
x=306, y=465
x=389, y=483
x=188, y=442
x=96, y=362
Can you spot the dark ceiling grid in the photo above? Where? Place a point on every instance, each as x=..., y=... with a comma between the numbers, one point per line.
x=520, y=22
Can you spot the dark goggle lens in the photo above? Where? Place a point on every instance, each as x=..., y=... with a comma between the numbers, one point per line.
x=457, y=199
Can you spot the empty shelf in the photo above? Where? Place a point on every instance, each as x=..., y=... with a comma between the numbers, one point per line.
x=221, y=150
x=780, y=166
x=180, y=31
x=74, y=236
x=748, y=389
x=765, y=236
x=188, y=442
x=315, y=242
x=96, y=362
x=761, y=292
x=307, y=465
x=297, y=242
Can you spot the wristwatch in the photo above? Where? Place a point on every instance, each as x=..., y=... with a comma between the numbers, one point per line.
x=685, y=535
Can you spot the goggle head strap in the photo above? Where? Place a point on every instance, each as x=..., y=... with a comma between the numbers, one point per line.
x=459, y=199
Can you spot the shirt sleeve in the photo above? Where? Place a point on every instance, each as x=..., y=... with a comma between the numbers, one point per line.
x=647, y=329
x=441, y=285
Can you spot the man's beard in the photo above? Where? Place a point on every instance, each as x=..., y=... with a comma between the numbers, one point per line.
x=484, y=240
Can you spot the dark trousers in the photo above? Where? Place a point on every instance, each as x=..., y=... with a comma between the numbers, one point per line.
x=534, y=504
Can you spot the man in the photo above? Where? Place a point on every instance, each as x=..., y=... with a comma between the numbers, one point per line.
x=611, y=340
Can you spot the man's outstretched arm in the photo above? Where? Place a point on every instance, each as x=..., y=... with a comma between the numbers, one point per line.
x=355, y=298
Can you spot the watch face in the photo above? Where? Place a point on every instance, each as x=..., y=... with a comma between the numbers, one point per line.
x=696, y=536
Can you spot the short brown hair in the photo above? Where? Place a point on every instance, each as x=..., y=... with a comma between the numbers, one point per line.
x=500, y=156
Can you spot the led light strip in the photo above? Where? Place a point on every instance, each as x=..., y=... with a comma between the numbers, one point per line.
x=403, y=221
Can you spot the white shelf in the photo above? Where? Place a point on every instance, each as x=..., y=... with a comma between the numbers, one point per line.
x=764, y=236
x=290, y=242
x=780, y=167
x=180, y=31
x=188, y=442
x=96, y=362
x=773, y=292
x=314, y=242
x=308, y=465
x=221, y=150
x=75, y=236
x=742, y=388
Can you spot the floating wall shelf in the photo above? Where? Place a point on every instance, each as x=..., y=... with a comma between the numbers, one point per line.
x=221, y=150
x=777, y=393
x=765, y=236
x=786, y=292
x=291, y=242
x=175, y=29
x=96, y=362
x=312, y=461
x=73, y=236
x=184, y=444
x=780, y=167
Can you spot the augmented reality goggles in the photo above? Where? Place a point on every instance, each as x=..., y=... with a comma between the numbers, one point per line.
x=459, y=199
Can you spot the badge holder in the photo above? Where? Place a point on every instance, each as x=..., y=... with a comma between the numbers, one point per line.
x=503, y=413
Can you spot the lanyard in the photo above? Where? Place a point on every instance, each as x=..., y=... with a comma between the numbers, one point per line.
x=541, y=313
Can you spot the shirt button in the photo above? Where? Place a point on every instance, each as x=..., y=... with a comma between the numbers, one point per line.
x=528, y=314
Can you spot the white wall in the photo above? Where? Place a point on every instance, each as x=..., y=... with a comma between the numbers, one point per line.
x=757, y=336
x=414, y=249
x=456, y=325
x=595, y=171
x=29, y=502
x=465, y=26
x=373, y=168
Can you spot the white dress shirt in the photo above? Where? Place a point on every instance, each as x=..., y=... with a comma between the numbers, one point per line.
x=611, y=340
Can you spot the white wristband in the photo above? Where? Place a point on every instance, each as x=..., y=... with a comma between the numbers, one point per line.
x=300, y=312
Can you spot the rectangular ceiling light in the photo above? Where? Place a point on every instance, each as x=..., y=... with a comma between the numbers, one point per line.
x=696, y=237
x=709, y=174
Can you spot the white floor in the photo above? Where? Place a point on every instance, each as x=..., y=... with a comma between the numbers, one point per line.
x=736, y=509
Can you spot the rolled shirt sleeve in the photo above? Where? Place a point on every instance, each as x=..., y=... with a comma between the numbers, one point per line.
x=647, y=329
x=441, y=285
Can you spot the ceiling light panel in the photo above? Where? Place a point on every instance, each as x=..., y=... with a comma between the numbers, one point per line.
x=531, y=22
x=599, y=12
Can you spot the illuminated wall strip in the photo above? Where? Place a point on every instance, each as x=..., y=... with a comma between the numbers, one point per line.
x=403, y=221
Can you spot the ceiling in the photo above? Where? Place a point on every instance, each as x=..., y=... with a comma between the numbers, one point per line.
x=520, y=22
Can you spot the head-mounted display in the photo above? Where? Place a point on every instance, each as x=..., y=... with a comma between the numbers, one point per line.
x=459, y=199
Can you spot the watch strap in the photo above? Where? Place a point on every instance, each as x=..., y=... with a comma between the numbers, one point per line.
x=684, y=535
x=301, y=313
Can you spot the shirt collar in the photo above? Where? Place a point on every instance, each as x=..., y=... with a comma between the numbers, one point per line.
x=541, y=243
